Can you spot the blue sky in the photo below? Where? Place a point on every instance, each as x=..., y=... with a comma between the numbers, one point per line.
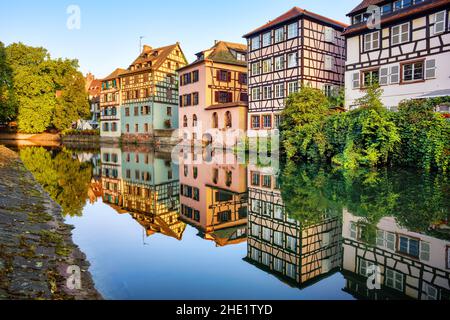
x=110, y=30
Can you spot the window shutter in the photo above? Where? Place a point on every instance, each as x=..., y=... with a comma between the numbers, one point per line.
x=228, y=76
x=430, y=69
x=355, y=80
x=384, y=76
x=230, y=97
x=218, y=75
x=395, y=74
x=216, y=96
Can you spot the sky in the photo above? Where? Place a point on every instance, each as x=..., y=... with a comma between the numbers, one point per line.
x=108, y=37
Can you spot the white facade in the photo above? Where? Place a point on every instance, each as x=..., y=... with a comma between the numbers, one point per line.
x=410, y=57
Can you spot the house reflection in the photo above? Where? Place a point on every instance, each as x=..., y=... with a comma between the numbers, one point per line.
x=145, y=185
x=297, y=252
x=412, y=265
x=214, y=195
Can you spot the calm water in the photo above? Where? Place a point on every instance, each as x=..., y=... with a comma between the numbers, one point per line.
x=154, y=227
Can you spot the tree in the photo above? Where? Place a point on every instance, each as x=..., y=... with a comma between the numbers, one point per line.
x=302, y=125
x=8, y=107
x=37, y=78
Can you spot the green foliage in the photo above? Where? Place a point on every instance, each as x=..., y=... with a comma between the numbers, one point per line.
x=337, y=98
x=425, y=135
x=74, y=132
x=63, y=177
x=418, y=201
x=302, y=125
x=370, y=136
x=36, y=80
x=7, y=98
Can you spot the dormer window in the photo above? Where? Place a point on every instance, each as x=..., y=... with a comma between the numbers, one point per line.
x=155, y=53
x=400, y=4
x=240, y=56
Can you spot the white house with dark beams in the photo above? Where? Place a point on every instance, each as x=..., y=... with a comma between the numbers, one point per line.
x=409, y=55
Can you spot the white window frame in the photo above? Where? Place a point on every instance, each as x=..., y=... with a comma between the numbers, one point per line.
x=427, y=292
x=424, y=251
x=372, y=41
x=290, y=270
x=267, y=92
x=265, y=258
x=255, y=68
x=386, y=239
x=329, y=34
x=279, y=63
x=400, y=33
x=430, y=66
x=289, y=60
x=279, y=35
x=278, y=264
x=413, y=69
x=441, y=22
x=364, y=266
x=292, y=87
x=278, y=238
x=329, y=63
x=279, y=90
x=266, y=234
x=256, y=92
x=291, y=243
x=255, y=43
x=267, y=65
x=394, y=74
x=292, y=30
x=356, y=80
x=256, y=229
x=383, y=79
x=397, y=278
x=267, y=39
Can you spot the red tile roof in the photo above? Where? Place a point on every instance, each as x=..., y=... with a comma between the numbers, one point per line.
x=403, y=13
x=293, y=13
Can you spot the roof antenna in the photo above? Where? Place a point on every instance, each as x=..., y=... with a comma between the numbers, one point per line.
x=140, y=43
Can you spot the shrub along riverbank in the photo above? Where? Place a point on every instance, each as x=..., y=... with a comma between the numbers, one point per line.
x=370, y=136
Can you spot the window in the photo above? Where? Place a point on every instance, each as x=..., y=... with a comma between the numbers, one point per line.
x=267, y=39
x=353, y=231
x=387, y=8
x=255, y=43
x=169, y=111
x=265, y=259
x=194, y=120
x=195, y=76
x=386, y=239
x=256, y=123
x=266, y=233
x=329, y=34
x=136, y=128
x=292, y=87
x=424, y=251
x=267, y=122
x=372, y=41
x=290, y=270
x=228, y=120
x=267, y=65
x=224, y=76
x=355, y=80
x=394, y=279
x=195, y=99
x=243, y=96
x=430, y=69
x=400, y=34
x=409, y=246
x=127, y=128
x=278, y=264
x=278, y=212
x=267, y=92
x=255, y=68
x=279, y=35
x=329, y=63
x=278, y=238
x=136, y=111
x=395, y=74
x=364, y=267
x=370, y=77
x=291, y=243
x=429, y=292
x=279, y=63
x=146, y=127
x=384, y=76
x=292, y=60
x=412, y=71
x=279, y=90
x=328, y=90
x=196, y=195
x=243, y=78
x=256, y=93
x=292, y=30
x=255, y=179
x=400, y=4
x=439, y=22
x=256, y=229
x=277, y=121
x=185, y=121
x=223, y=96
x=266, y=179
x=215, y=120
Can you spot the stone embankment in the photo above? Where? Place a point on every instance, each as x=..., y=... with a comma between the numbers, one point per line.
x=36, y=247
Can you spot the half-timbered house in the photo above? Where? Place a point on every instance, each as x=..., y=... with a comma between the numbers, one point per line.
x=298, y=252
x=299, y=48
x=150, y=93
x=214, y=196
x=213, y=95
x=110, y=102
x=407, y=54
x=411, y=264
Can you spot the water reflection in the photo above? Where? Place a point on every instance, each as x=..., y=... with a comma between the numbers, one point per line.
x=303, y=227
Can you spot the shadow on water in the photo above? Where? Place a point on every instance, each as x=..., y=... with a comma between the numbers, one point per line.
x=325, y=233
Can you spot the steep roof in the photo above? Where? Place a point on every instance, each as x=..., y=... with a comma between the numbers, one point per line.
x=116, y=73
x=155, y=57
x=293, y=13
x=364, y=5
x=221, y=52
x=394, y=17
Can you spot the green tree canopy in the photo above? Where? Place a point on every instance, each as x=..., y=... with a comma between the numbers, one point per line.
x=7, y=98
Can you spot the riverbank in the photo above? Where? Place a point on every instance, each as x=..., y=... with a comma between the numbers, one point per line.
x=36, y=247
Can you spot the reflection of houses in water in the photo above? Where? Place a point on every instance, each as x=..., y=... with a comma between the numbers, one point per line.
x=411, y=265
x=283, y=246
x=214, y=196
x=146, y=186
